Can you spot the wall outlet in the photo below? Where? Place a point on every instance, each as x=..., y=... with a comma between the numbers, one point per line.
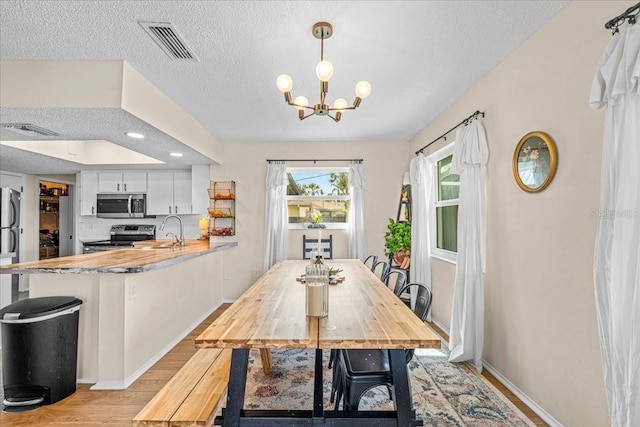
x=256, y=273
x=225, y=275
x=132, y=291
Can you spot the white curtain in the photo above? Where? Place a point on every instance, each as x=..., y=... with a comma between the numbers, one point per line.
x=275, y=215
x=357, y=229
x=421, y=173
x=470, y=156
x=616, y=268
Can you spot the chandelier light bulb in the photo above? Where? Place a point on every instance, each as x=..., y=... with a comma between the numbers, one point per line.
x=340, y=104
x=301, y=100
x=363, y=89
x=284, y=83
x=324, y=70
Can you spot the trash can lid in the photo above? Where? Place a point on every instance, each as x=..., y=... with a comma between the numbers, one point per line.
x=36, y=307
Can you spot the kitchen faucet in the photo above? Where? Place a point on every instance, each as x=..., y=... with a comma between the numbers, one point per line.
x=182, y=242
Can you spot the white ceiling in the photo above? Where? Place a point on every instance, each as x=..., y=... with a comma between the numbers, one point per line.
x=419, y=56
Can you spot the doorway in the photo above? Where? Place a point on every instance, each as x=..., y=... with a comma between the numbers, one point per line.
x=56, y=220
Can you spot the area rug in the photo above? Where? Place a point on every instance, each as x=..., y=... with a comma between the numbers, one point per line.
x=444, y=394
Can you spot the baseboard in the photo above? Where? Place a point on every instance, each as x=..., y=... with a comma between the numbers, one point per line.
x=539, y=410
x=121, y=385
x=440, y=325
x=108, y=385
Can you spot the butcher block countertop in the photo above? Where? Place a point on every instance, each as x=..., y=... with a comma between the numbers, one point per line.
x=144, y=256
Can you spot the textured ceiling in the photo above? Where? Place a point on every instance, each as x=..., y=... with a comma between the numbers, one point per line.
x=419, y=56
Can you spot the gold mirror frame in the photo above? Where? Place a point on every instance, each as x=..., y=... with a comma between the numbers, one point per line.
x=524, y=150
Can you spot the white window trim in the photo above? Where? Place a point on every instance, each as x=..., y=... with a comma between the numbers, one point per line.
x=328, y=226
x=441, y=254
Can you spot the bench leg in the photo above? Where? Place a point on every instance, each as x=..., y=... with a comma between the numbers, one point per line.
x=237, y=385
x=265, y=356
x=401, y=389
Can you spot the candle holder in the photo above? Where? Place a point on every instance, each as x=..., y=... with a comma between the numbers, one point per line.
x=317, y=290
x=203, y=224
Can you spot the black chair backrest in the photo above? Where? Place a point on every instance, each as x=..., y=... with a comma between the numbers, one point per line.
x=380, y=269
x=310, y=246
x=396, y=279
x=421, y=309
x=423, y=299
x=370, y=261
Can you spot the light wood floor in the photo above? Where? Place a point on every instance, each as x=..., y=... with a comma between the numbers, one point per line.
x=118, y=407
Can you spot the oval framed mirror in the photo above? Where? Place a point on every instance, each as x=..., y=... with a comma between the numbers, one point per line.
x=534, y=161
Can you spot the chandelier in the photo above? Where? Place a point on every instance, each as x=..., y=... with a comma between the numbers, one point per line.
x=324, y=71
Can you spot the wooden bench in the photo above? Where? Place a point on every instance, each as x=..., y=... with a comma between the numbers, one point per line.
x=192, y=396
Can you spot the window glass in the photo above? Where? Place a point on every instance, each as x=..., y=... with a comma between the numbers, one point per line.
x=448, y=183
x=445, y=209
x=447, y=227
x=319, y=192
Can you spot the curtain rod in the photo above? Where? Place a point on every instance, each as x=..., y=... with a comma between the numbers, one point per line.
x=314, y=160
x=629, y=14
x=444, y=135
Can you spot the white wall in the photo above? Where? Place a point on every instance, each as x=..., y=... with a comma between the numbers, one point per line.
x=245, y=163
x=540, y=319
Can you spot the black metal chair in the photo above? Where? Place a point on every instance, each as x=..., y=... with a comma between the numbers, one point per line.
x=363, y=369
x=396, y=279
x=370, y=261
x=380, y=269
x=310, y=246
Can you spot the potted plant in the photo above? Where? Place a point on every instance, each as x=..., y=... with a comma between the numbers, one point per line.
x=315, y=218
x=397, y=241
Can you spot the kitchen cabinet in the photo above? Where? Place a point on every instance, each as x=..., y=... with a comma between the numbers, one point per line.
x=122, y=182
x=169, y=193
x=88, y=190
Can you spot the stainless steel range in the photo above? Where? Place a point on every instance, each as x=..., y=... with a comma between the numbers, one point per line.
x=122, y=236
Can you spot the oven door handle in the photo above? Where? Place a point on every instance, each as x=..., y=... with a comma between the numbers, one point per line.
x=129, y=204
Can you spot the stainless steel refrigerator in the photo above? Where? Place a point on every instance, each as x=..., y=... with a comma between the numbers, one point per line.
x=10, y=231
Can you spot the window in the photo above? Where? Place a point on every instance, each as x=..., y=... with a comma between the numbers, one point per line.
x=322, y=192
x=446, y=206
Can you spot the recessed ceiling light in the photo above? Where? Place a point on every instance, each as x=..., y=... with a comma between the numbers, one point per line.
x=176, y=154
x=135, y=135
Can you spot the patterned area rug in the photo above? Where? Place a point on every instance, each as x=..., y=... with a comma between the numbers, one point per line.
x=444, y=394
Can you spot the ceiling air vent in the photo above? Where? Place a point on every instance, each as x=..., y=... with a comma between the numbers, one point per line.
x=28, y=129
x=169, y=40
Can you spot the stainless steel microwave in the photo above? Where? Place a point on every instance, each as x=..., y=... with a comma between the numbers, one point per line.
x=121, y=205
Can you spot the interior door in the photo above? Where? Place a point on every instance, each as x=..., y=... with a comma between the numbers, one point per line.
x=65, y=227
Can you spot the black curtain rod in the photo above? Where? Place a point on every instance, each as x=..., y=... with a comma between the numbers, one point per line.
x=444, y=135
x=629, y=14
x=314, y=160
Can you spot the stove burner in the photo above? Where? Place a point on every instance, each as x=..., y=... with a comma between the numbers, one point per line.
x=121, y=236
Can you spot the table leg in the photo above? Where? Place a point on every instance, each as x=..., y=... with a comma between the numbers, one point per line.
x=237, y=385
x=318, y=398
x=265, y=356
x=401, y=389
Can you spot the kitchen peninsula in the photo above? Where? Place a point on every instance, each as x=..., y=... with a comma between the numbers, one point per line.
x=137, y=302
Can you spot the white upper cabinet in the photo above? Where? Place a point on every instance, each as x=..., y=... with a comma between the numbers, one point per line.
x=200, y=179
x=88, y=191
x=182, y=192
x=169, y=193
x=122, y=182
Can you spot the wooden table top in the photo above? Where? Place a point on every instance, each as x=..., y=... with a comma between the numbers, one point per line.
x=145, y=256
x=363, y=313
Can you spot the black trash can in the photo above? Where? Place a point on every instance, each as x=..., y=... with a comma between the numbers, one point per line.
x=39, y=351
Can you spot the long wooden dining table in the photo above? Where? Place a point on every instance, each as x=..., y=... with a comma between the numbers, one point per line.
x=363, y=313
